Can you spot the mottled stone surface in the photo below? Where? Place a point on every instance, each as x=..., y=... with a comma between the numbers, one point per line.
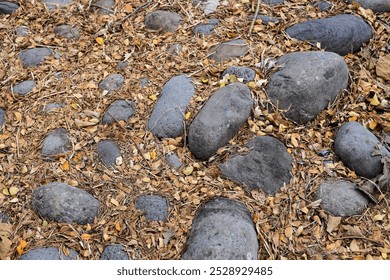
x=206, y=28
x=67, y=31
x=163, y=20
x=228, y=50
x=114, y=252
x=112, y=82
x=53, y=4
x=48, y=253
x=108, y=152
x=120, y=110
x=106, y=7
x=24, y=87
x=155, y=207
x=34, y=57
x=7, y=7
x=379, y=6
x=2, y=118
x=56, y=143
x=245, y=73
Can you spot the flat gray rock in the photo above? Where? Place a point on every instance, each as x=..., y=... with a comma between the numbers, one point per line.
x=112, y=82
x=54, y=4
x=354, y=145
x=67, y=31
x=267, y=166
x=207, y=28
x=323, y=5
x=4, y=218
x=228, y=50
x=56, y=143
x=306, y=82
x=60, y=202
x=24, y=87
x=378, y=6
x=341, y=34
x=114, y=252
x=52, y=106
x=168, y=115
x=108, y=152
x=246, y=73
x=163, y=20
x=34, y=57
x=342, y=198
x=8, y=7
x=173, y=160
x=155, y=207
x=122, y=65
x=223, y=229
x=120, y=110
x=208, y=6
x=48, y=253
x=219, y=120
x=22, y=31
x=2, y=117
x=106, y=7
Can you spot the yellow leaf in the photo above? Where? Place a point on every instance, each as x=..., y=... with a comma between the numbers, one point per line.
x=372, y=125
x=13, y=190
x=252, y=84
x=187, y=116
x=65, y=166
x=153, y=97
x=24, y=169
x=205, y=80
x=375, y=101
x=74, y=106
x=379, y=217
x=188, y=170
x=114, y=201
x=118, y=226
x=100, y=40
x=86, y=236
x=5, y=191
x=18, y=116
x=153, y=155
x=21, y=247
x=128, y=8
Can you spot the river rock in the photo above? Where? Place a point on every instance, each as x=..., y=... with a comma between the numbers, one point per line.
x=120, y=110
x=173, y=160
x=228, y=50
x=168, y=116
x=175, y=49
x=112, y=82
x=108, y=152
x=2, y=118
x=48, y=253
x=53, y=4
x=206, y=29
x=56, y=143
x=63, y=203
x=114, y=252
x=52, y=106
x=354, y=145
x=265, y=19
x=219, y=120
x=34, y=57
x=342, y=198
x=4, y=218
x=267, y=166
x=8, y=7
x=245, y=73
x=163, y=20
x=305, y=83
x=378, y=6
x=341, y=34
x=155, y=207
x=67, y=31
x=106, y=7
x=223, y=229
x=24, y=87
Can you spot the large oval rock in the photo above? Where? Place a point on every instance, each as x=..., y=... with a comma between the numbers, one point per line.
x=108, y=152
x=34, y=57
x=114, y=252
x=267, y=166
x=155, y=207
x=342, y=198
x=306, y=82
x=163, y=20
x=168, y=116
x=228, y=50
x=56, y=143
x=8, y=7
x=48, y=253
x=341, y=34
x=63, y=203
x=24, y=87
x=354, y=145
x=222, y=230
x=120, y=110
x=378, y=6
x=219, y=120
x=112, y=82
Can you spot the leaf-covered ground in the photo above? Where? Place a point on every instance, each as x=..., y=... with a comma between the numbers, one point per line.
x=290, y=225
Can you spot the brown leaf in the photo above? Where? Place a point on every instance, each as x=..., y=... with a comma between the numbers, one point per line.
x=5, y=242
x=383, y=67
x=333, y=222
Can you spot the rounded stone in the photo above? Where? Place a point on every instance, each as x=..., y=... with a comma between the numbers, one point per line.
x=163, y=20
x=2, y=117
x=114, y=252
x=120, y=110
x=112, y=82
x=7, y=7
x=48, y=253
x=323, y=5
x=34, y=57
x=4, y=218
x=155, y=207
x=52, y=106
x=54, y=4
x=173, y=160
x=24, y=87
x=273, y=2
x=106, y=7
x=67, y=31
x=56, y=143
x=378, y=6
x=206, y=29
x=245, y=73
x=228, y=50
x=108, y=152
x=265, y=19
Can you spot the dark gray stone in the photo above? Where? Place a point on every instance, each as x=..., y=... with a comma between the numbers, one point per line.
x=323, y=6
x=22, y=31
x=155, y=207
x=167, y=118
x=2, y=117
x=228, y=50
x=354, y=145
x=246, y=73
x=67, y=31
x=53, y=4
x=114, y=252
x=144, y=82
x=106, y=7
x=34, y=57
x=341, y=34
x=8, y=7
x=123, y=65
x=273, y=2
x=48, y=253
x=266, y=19
x=378, y=6
x=51, y=106
x=342, y=198
x=4, y=218
x=267, y=166
x=223, y=229
x=173, y=160
x=208, y=6
x=108, y=152
x=163, y=20
x=24, y=87
x=56, y=143
x=60, y=202
x=112, y=82
x=219, y=120
x=206, y=29
x=305, y=83
x=120, y=110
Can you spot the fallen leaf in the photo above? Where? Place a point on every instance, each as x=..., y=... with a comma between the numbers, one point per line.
x=333, y=222
x=128, y=8
x=118, y=226
x=188, y=170
x=288, y=232
x=354, y=246
x=65, y=166
x=383, y=67
x=5, y=242
x=187, y=116
x=86, y=236
x=375, y=101
x=13, y=190
x=21, y=246
x=18, y=116
x=153, y=155
x=379, y=217
x=100, y=40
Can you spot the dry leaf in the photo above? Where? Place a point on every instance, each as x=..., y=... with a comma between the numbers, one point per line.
x=383, y=67
x=354, y=246
x=288, y=232
x=13, y=190
x=375, y=101
x=21, y=246
x=5, y=242
x=100, y=40
x=188, y=170
x=333, y=222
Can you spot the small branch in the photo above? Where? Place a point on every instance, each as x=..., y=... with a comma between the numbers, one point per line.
x=255, y=17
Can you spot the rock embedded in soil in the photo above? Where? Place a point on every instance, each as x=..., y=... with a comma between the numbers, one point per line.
x=245, y=73
x=173, y=160
x=354, y=145
x=265, y=19
x=219, y=120
x=54, y=4
x=4, y=218
x=168, y=115
x=228, y=50
x=48, y=253
x=207, y=28
x=2, y=117
x=341, y=34
x=22, y=31
x=267, y=165
x=306, y=82
x=323, y=6
x=208, y=6
x=223, y=229
x=56, y=143
x=175, y=49
x=60, y=202
x=273, y=2
x=52, y=106
x=67, y=31
x=114, y=252
x=8, y=7
x=34, y=57
x=24, y=87
x=106, y=7
x=163, y=20
x=342, y=198
x=112, y=82
x=108, y=152
x=155, y=207
x=120, y=110
x=378, y=6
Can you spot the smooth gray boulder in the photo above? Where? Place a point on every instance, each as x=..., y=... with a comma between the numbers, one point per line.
x=342, y=198
x=219, y=120
x=114, y=252
x=24, y=87
x=207, y=28
x=106, y=7
x=8, y=7
x=378, y=6
x=67, y=31
x=173, y=160
x=60, y=202
x=354, y=145
x=120, y=110
x=108, y=152
x=168, y=115
x=267, y=165
x=56, y=143
x=112, y=82
x=155, y=207
x=2, y=117
x=341, y=34
x=223, y=229
x=228, y=50
x=163, y=20
x=34, y=57
x=306, y=82
x=48, y=253
x=54, y=4
x=245, y=73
